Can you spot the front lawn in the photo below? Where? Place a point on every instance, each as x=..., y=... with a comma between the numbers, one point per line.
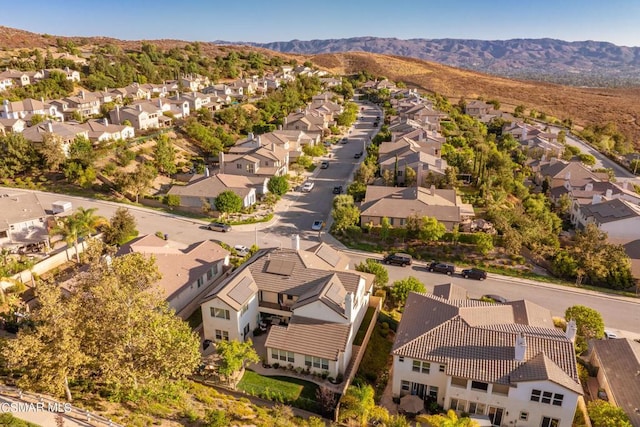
x=291, y=391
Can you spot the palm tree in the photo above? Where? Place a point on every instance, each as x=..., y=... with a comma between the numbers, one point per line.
x=449, y=420
x=358, y=404
x=74, y=227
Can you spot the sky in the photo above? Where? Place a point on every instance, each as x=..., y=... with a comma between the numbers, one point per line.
x=615, y=21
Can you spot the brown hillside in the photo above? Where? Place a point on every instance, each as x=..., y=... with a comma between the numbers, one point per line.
x=583, y=105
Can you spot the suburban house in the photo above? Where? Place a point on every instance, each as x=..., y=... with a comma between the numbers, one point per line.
x=17, y=78
x=255, y=158
x=309, y=300
x=22, y=220
x=618, y=363
x=8, y=126
x=562, y=173
x=424, y=165
x=27, y=108
x=504, y=361
x=85, y=104
x=198, y=100
x=291, y=140
x=134, y=91
x=478, y=109
x=177, y=106
x=619, y=218
x=101, y=130
x=71, y=75
x=142, y=116
x=66, y=133
x=330, y=82
x=5, y=81
x=194, y=82
x=204, y=188
x=399, y=203
x=311, y=122
x=186, y=271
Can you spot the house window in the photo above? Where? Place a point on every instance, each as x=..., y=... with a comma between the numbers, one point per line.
x=238, y=166
x=200, y=281
x=289, y=297
x=209, y=274
x=399, y=173
x=557, y=399
x=317, y=362
x=441, y=368
x=476, y=408
x=550, y=422
x=222, y=335
x=546, y=397
x=524, y=416
x=404, y=385
x=500, y=389
x=458, y=405
x=459, y=382
x=285, y=356
x=220, y=313
x=308, y=361
x=477, y=385
x=433, y=392
x=419, y=366
x=401, y=359
x=535, y=395
x=245, y=308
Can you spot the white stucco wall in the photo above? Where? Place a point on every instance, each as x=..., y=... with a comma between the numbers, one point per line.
x=318, y=310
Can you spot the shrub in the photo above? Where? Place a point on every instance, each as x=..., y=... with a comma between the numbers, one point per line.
x=172, y=200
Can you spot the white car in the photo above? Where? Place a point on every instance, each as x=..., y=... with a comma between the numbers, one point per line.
x=608, y=335
x=317, y=225
x=241, y=250
x=307, y=187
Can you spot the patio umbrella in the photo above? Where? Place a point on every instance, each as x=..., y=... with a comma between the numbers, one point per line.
x=412, y=404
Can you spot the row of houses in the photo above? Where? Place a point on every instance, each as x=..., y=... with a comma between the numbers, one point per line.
x=15, y=78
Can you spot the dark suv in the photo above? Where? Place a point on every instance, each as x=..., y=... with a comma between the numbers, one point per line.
x=441, y=267
x=474, y=273
x=398, y=259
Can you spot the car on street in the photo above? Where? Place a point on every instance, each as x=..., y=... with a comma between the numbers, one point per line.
x=357, y=155
x=307, y=187
x=375, y=124
x=398, y=259
x=495, y=298
x=441, y=267
x=317, y=225
x=324, y=164
x=337, y=189
x=219, y=226
x=344, y=140
x=241, y=250
x=474, y=273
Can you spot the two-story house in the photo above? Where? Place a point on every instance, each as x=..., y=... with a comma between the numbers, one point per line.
x=22, y=220
x=619, y=218
x=101, y=130
x=186, y=271
x=84, y=104
x=312, y=303
x=255, y=158
x=504, y=361
x=27, y=108
x=66, y=133
x=142, y=116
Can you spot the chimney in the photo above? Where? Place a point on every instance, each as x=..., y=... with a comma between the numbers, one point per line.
x=42, y=99
x=160, y=103
x=393, y=137
x=118, y=114
x=295, y=242
x=250, y=136
x=521, y=347
x=588, y=187
x=524, y=132
x=106, y=121
x=348, y=305
x=221, y=161
x=567, y=176
x=597, y=198
x=50, y=126
x=139, y=107
x=608, y=194
x=206, y=171
x=82, y=94
x=280, y=128
x=432, y=190
x=624, y=185
x=572, y=330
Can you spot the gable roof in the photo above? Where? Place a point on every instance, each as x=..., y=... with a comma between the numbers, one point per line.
x=610, y=211
x=575, y=172
x=19, y=207
x=620, y=364
x=211, y=186
x=476, y=340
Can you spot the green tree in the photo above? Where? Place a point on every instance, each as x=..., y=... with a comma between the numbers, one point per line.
x=278, y=185
x=234, y=355
x=18, y=155
x=357, y=190
x=451, y=419
x=385, y=229
x=305, y=161
x=374, y=267
x=519, y=111
x=138, y=182
x=587, y=159
x=165, y=156
x=81, y=151
x=431, y=230
x=51, y=152
x=410, y=176
x=366, y=172
x=589, y=325
x=604, y=414
x=49, y=355
x=345, y=213
x=562, y=136
x=172, y=200
x=484, y=243
x=74, y=227
x=358, y=404
x=228, y=202
x=121, y=229
x=400, y=289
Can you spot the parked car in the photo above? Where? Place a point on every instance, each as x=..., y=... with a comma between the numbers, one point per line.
x=324, y=164
x=241, y=250
x=495, y=298
x=307, y=187
x=344, y=140
x=441, y=267
x=398, y=259
x=317, y=225
x=357, y=155
x=337, y=189
x=608, y=335
x=474, y=273
x=375, y=124
x=219, y=226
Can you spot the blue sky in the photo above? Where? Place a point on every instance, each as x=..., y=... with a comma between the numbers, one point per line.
x=616, y=21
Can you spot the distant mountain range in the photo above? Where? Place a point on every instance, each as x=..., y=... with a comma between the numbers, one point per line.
x=587, y=63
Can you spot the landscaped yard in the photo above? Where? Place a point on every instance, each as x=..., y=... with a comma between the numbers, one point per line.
x=293, y=391
x=376, y=363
